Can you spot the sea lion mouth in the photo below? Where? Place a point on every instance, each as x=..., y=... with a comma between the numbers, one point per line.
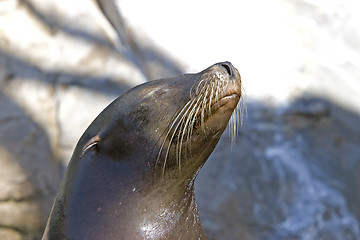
x=227, y=99
x=226, y=103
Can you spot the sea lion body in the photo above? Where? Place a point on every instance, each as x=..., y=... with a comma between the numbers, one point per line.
x=132, y=173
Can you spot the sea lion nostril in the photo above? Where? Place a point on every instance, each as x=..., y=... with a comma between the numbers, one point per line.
x=228, y=67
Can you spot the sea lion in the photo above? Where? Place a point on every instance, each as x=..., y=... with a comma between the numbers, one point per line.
x=132, y=173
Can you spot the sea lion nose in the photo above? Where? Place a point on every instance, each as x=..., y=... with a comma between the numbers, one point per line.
x=229, y=68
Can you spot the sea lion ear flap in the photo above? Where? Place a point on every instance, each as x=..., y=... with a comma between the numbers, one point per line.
x=91, y=143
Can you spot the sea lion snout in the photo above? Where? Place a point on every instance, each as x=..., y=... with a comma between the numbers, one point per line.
x=224, y=79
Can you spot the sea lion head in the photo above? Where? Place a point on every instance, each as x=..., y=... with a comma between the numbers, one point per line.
x=172, y=124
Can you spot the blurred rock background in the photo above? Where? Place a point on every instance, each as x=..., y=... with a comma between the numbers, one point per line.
x=294, y=171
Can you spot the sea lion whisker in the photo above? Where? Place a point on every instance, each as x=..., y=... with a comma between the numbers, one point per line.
x=178, y=130
x=192, y=115
x=196, y=111
x=188, y=127
x=209, y=101
x=191, y=119
x=169, y=144
x=217, y=94
x=199, y=87
x=237, y=116
x=233, y=126
x=203, y=107
x=185, y=131
x=174, y=121
x=242, y=104
x=211, y=95
x=182, y=130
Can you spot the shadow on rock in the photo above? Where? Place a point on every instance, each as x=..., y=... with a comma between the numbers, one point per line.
x=30, y=174
x=150, y=61
x=15, y=67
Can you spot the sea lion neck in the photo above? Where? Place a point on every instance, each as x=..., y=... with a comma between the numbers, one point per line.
x=178, y=206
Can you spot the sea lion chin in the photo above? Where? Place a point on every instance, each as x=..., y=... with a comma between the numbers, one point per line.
x=132, y=173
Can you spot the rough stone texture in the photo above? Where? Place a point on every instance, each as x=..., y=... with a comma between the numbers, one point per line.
x=293, y=173
x=29, y=174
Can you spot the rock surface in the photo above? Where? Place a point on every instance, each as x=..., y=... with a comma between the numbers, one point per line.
x=293, y=173
x=30, y=174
